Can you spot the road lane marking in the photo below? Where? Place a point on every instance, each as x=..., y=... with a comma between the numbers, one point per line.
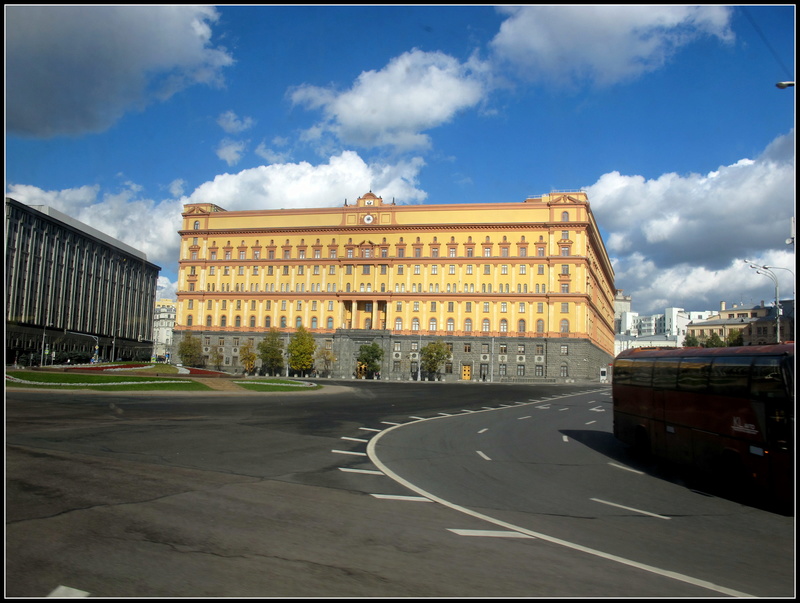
x=525, y=417
x=401, y=497
x=590, y=422
x=390, y=423
x=605, y=502
x=626, y=468
x=367, y=471
x=483, y=456
x=369, y=429
x=371, y=446
x=67, y=591
x=565, y=438
x=354, y=439
x=418, y=418
x=349, y=452
x=489, y=533
x=484, y=430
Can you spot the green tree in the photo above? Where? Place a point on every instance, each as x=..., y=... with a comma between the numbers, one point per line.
x=370, y=355
x=190, y=351
x=247, y=356
x=270, y=349
x=324, y=359
x=691, y=342
x=714, y=341
x=433, y=356
x=735, y=338
x=216, y=357
x=301, y=351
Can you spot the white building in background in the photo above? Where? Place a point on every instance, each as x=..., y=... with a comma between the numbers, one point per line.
x=163, y=322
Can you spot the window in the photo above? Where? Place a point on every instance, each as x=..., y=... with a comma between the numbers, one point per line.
x=521, y=326
x=504, y=326
x=197, y=224
x=432, y=324
x=503, y=307
x=564, y=326
x=468, y=327
x=451, y=324
x=540, y=326
x=398, y=324
x=564, y=350
x=415, y=324
x=485, y=325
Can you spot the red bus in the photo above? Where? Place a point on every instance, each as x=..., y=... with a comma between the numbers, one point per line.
x=726, y=412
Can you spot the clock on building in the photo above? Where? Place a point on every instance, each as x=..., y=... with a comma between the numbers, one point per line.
x=368, y=219
x=368, y=202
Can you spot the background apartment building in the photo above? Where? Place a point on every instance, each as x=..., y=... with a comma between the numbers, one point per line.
x=73, y=291
x=516, y=290
x=163, y=323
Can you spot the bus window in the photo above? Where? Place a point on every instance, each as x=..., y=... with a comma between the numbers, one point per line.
x=642, y=372
x=665, y=373
x=693, y=375
x=623, y=371
x=766, y=381
x=728, y=376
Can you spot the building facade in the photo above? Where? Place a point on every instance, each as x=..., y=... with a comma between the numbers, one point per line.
x=163, y=323
x=72, y=291
x=516, y=290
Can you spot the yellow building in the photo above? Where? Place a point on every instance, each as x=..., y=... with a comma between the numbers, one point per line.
x=518, y=291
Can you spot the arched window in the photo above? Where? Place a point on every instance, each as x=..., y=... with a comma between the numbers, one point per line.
x=267, y=322
x=565, y=216
x=208, y=320
x=521, y=326
x=398, y=324
x=451, y=324
x=564, y=326
x=504, y=326
x=415, y=324
x=189, y=320
x=432, y=324
x=468, y=325
x=283, y=322
x=298, y=322
x=197, y=224
x=223, y=321
x=330, y=322
x=313, y=322
x=238, y=321
x=252, y=322
x=540, y=326
x=485, y=327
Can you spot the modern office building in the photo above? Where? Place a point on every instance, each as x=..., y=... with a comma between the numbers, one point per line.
x=518, y=291
x=72, y=290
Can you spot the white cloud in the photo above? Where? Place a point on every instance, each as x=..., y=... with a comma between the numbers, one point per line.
x=305, y=185
x=435, y=87
x=685, y=237
x=176, y=187
x=77, y=69
x=231, y=151
x=231, y=123
x=601, y=44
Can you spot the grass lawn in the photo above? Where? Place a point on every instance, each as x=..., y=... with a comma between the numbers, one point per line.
x=127, y=382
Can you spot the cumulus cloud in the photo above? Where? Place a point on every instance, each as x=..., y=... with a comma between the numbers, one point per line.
x=601, y=44
x=77, y=69
x=305, y=185
x=231, y=151
x=231, y=123
x=686, y=236
x=435, y=88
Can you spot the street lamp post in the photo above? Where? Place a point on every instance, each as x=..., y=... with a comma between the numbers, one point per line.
x=766, y=271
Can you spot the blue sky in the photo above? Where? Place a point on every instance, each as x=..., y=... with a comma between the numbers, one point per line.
x=667, y=115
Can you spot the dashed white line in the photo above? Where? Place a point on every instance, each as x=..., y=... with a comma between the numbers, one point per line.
x=369, y=429
x=605, y=502
x=354, y=439
x=490, y=533
x=67, y=591
x=484, y=430
x=626, y=468
x=483, y=456
x=366, y=471
x=401, y=497
x=525, y=417
x=564, y=438
x=350, y=452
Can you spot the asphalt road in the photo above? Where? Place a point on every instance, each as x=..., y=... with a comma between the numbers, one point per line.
x=361, y=490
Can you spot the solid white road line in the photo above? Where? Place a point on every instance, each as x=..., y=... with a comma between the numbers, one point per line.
x=626, y=468
x=66, y=591
x=400, y=497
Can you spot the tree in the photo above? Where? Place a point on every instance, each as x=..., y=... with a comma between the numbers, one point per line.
x=190, y=351
x=301, y=351
x=370, y=356
x=325, y=358
x=433, y=356
x=216, y=357
x=270, y=349
x=714, y=341
x=735, y=338
x=247, y=356
x=691, y=342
